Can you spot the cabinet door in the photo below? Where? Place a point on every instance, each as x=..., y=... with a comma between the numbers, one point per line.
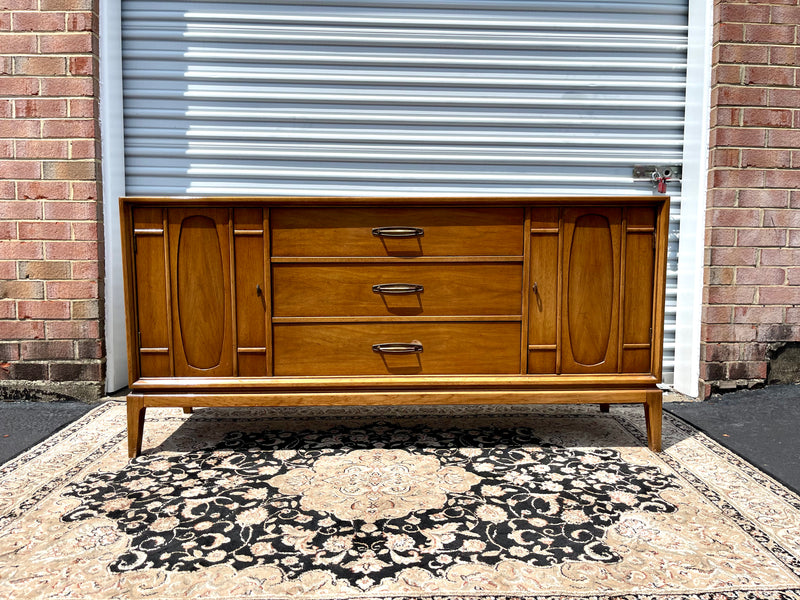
x=591, y=290
x=544, y=297
x=252, y=292
x=202, y=322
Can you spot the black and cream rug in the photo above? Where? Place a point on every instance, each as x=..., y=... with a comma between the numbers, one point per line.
x=414, y=502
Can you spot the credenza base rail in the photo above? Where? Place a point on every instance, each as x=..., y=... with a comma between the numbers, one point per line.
x=139, y=401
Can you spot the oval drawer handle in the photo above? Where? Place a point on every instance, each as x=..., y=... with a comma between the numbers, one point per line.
x=398, y=232
x=412, y=348
x=398, y=288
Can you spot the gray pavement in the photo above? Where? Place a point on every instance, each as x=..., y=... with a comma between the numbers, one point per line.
x=762, y=426
x=25, y=424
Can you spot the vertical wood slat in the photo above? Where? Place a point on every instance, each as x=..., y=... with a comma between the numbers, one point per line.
x=559, y=313
x=234, y=349
x=622, y=273
x=129, y=282
x=526, y=292
x=266, y=227
x=659, y=291
x=168, y=292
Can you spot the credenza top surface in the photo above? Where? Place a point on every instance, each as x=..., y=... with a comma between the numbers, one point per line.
x=399, y=201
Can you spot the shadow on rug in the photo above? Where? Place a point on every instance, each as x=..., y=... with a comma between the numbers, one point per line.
x=512, y=502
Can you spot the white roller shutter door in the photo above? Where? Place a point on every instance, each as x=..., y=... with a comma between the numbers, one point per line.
x=391, y=97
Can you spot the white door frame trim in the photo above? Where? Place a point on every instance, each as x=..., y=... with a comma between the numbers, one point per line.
x=694, y=191
x=113, y=186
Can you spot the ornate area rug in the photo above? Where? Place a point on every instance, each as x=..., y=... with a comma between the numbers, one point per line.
x=389, y=502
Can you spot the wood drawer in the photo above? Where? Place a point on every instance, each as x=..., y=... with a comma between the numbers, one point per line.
x=348, y=231
x=347, y=348
x=317, y=290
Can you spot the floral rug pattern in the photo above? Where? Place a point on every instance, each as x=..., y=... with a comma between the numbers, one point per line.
x=367, y=503
x=400, y=503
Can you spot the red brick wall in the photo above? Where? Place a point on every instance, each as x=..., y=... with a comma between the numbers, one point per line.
x=752, y=293
x=50, y=215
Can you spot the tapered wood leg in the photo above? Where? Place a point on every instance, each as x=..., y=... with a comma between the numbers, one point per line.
x=652, y=416
x=136, y=411
x=604, y=408
x=188, y=410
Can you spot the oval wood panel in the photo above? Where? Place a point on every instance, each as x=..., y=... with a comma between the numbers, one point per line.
x=591, y=289
x=200, y=291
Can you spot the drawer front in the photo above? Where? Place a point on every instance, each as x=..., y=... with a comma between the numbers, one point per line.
x=401, y=232
x=319, y=290
x=347, y=349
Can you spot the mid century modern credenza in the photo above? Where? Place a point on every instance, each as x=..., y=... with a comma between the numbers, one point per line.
x=268, y=301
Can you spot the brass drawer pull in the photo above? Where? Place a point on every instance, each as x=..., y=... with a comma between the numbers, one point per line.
x=398, y=232
x=398, y=288
x=412, y=348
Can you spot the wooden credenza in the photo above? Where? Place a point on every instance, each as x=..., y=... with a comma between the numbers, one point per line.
x=304, y=301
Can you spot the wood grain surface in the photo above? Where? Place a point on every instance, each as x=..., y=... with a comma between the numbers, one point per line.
x=241, y=301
